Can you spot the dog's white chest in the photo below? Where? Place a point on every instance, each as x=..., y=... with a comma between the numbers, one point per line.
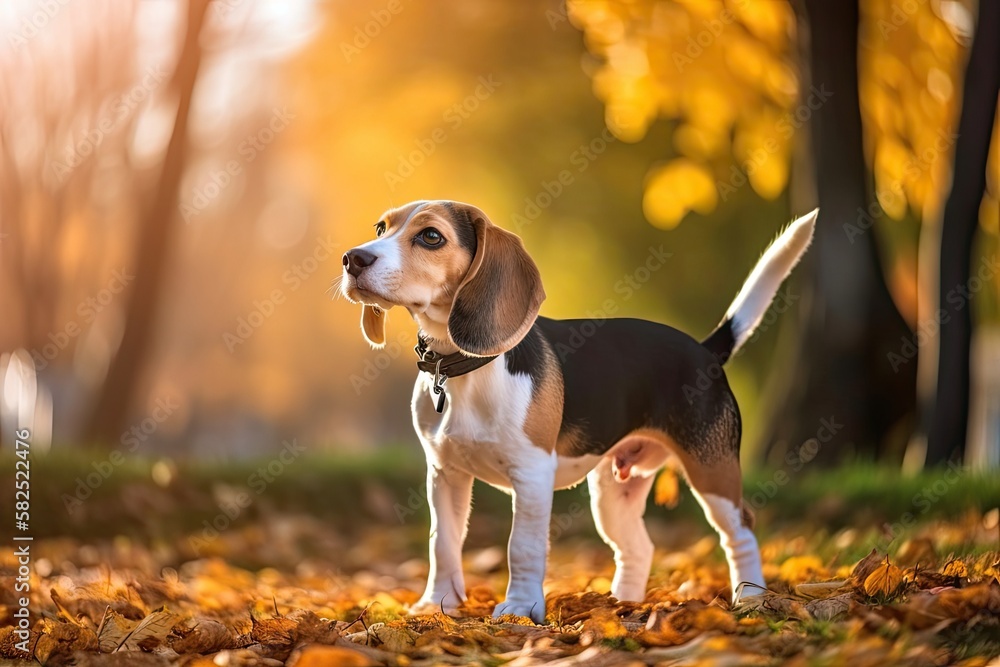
x=481, y=431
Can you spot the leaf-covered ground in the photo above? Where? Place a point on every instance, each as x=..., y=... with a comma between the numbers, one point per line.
x=282, y=586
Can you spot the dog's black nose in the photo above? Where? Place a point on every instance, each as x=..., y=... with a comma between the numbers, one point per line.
x=357, y=260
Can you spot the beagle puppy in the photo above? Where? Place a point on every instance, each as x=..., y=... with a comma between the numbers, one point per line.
x=530, y=405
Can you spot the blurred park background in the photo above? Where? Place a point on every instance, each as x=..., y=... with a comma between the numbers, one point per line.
x=178, y=181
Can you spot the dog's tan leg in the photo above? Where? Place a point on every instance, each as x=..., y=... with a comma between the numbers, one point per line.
x=618, y=509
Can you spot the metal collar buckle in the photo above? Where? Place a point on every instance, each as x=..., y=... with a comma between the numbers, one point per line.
x=444, y=366
x=438, y=386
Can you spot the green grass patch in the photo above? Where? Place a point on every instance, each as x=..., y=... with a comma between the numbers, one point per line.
x=77, y=493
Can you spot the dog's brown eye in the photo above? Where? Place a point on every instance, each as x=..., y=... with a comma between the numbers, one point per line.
x=379, y=228
x=431, y=237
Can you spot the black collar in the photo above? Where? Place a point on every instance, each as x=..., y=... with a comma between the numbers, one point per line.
x=448, y=365
x=445, y=366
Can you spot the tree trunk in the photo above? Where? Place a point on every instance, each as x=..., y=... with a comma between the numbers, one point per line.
x=949, y=411
x=838, y=384
x=151, y=252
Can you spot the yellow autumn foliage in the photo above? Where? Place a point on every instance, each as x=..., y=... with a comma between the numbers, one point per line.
x=724, y=73
x=666, y=491
x=680, y=186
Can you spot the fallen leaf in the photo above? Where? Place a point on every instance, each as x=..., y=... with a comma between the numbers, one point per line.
x=572, y=607
x=748, y=603
x=9, y=639
x=324, y=656
x=311, y=629
x=480, y=601
x=660, y=631
x=395, y=637
x=926, y=579
x=820, y=589
x=62, y=639
x=273, y=630
x=993, y=571
x=884, y=581
x=151, y=631
x=681, y=654
x=113, y=630
x=865, y=567
x=667, y=490
x=200, y=635
x=604, y=623
x=63, y=612
x=132, y=659
x=673, y=626
x=440, y=641
x=830, y=608
x=785, y=607
x=955, y=568
x=798, y=568
x=965, y=603
x=924, y=610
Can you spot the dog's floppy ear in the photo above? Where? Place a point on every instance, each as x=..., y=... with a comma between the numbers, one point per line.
x=498, y=301
x=373, y=325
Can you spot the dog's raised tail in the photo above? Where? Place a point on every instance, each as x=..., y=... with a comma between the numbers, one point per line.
x=758, y=291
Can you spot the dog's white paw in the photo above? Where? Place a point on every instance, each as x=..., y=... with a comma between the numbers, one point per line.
x=443, y=598
x=629, y=592
x=443, y=594
x=531, y=608
x=426, y=606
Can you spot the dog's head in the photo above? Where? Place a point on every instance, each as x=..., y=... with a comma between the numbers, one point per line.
x=446, y=257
